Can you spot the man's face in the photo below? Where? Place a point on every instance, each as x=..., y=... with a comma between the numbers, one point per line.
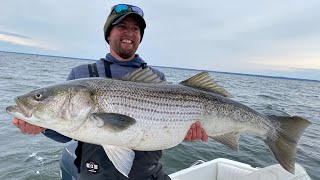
x=124, y=38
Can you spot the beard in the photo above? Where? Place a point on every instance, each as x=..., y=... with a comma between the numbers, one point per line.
x=124, y=52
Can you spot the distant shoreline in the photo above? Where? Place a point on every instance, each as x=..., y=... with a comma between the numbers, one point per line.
x=221, y=72
x=244, y=74
x=47, y=55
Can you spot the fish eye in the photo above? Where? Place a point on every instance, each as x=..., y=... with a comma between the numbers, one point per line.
x=38, y=95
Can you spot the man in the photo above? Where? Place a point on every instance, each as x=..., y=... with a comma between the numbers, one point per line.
x=123, y=31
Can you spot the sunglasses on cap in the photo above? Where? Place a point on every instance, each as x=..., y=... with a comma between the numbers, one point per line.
x=123, y=8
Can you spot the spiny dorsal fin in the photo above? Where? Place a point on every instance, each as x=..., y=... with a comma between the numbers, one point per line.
x=145, y=75
x=204, y=82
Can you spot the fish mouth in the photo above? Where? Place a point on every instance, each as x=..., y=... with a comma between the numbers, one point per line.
x=22, y=107
x=13, y=109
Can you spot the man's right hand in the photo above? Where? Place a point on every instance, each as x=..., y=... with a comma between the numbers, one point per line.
x=27, y=128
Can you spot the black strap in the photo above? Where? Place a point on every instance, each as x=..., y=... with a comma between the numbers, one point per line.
x=93, y=70
x=107, y=68
x=143, y=65
x=78, y=152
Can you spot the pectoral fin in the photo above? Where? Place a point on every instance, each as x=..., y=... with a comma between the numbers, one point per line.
x=230, y=139
x=113, y=121
x=122, y=158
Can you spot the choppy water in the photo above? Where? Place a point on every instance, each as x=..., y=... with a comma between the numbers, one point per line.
x=37, y=157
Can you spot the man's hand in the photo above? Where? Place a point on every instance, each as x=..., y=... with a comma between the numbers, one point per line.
x=27, y=128
x=196, y=132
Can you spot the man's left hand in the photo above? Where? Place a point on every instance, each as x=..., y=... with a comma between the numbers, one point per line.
x=196, y=132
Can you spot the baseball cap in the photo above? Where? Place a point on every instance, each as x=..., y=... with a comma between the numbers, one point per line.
x=121, y=11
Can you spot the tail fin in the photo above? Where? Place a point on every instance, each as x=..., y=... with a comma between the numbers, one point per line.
x=284, y=144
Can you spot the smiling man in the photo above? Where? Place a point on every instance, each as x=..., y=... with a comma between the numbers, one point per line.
x=124, y=39
x=123, y=31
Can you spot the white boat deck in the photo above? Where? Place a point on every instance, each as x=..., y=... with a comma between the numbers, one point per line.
x=225, y=169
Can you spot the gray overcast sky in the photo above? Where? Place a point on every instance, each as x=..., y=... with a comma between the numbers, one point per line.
x=268, y=37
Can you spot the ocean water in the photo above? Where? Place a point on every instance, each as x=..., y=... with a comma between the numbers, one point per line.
x=37, y=157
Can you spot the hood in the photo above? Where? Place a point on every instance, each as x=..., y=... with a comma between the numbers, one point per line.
x=135, y=62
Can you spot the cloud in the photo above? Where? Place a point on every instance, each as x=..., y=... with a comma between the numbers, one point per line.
x=14, y=34
x=24, y=41
x=286, y=63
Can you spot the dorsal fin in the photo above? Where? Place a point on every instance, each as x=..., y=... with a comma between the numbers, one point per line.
x=204, y=82
x=144, y=75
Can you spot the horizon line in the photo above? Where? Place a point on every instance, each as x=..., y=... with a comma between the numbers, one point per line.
x=214, y=71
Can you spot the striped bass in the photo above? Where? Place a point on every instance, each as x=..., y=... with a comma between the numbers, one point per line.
x=142, y=112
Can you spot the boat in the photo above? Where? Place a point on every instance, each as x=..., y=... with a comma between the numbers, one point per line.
x=217, y=169
x=226, y=169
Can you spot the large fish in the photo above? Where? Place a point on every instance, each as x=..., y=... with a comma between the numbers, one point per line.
x=149, y=114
